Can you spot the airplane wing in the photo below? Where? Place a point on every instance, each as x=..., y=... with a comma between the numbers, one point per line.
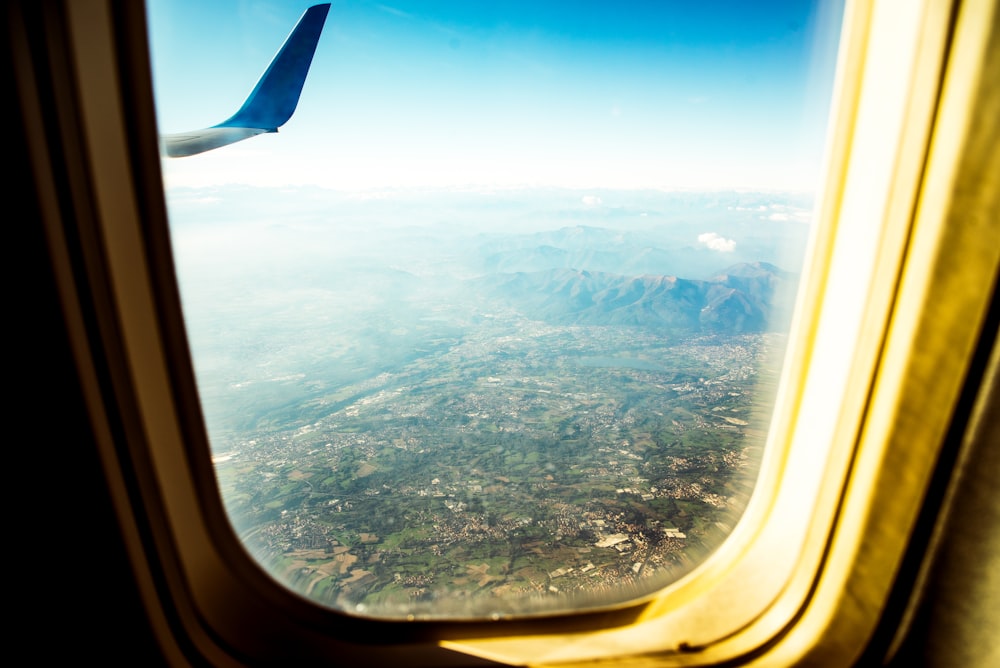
x=273, y=99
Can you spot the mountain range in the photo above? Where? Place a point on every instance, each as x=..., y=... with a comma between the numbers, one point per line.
x=747, y=297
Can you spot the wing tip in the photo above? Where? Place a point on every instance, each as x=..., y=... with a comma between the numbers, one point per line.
x=272, y=101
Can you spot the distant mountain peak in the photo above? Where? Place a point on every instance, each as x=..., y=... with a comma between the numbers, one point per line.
x=752, y=270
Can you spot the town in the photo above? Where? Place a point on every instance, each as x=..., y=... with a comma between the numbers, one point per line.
x=584, y=464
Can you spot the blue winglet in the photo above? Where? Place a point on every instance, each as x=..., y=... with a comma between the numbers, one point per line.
x=275, y=96
x=272, y=101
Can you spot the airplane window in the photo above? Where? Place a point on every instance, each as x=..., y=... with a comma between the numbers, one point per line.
x=487, y=303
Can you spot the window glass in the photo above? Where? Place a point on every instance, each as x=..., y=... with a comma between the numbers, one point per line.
x=493, y=324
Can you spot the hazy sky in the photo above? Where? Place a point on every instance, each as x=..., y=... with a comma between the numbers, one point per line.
x=654, y=94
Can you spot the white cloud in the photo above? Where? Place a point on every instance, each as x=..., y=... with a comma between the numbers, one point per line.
x=591, y=200
x=717, y=242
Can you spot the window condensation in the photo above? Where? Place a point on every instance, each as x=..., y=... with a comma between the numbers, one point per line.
x=493, y=325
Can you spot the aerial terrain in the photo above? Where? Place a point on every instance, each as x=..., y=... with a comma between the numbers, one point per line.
x=475, y=404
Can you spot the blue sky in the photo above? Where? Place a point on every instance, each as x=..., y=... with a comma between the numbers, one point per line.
x=454, y=94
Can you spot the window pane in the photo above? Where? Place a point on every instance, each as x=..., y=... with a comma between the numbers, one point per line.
x=493, y=325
